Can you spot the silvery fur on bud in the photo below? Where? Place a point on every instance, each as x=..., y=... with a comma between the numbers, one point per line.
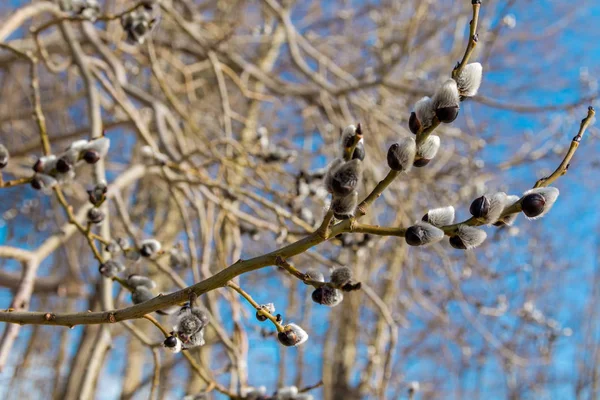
x=327, y=296
x=340, y=276
x=468, y=237
x=423, y=233
x=149, y=247
x=440, y=216
x=537, y=202
x=188, y=325
x=43, y=181
x=423, y=115
x=489, y=207
x=95, y=215
x=427, y=150
x=446, y=101
x=469, y=80
x=343, y=177
x=141, y=294
x=344, y=207
x=292, y=335
x=315, y=275
x=111, y=268
x=136, y=281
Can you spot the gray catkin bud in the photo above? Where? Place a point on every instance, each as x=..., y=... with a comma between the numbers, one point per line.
x=149, y=247
x=4, y=156
x=100, y=145
x=497, y=202
x=286, y=393
x=446, y=96
x=423, y=233
x=292, y=335
x=425, y=112
x=85, y=8
x=470, y=237
x=327, y=296
x=342, y=179
x=136, y=281
x=440, y=216
x=141, y=294
x=401, y=155
x=45, y=164
x=550, y=194
x=340, y=276
x=344, y=207
x=111, y=268
x=469, y=80
x=315, y=275
x=347, y=137
x=446, y=101
x=188, y=325
x=429, y=148
x=43, y=181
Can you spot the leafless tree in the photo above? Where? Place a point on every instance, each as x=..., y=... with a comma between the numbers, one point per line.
x=187, y=157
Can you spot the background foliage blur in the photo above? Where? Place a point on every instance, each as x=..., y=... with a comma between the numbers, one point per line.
x=517, y=318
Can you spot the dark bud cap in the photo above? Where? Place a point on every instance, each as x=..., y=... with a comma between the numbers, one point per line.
x=36, y=183
x=480, y=207
x=91, y=156
x=414, y=235
x=359, y=151
x=63, y=165
x=447, y=114
x=533, y=204
x=392, y=157
x=425, y=218
x=421, y=162
x=260, y=317
x=38, y=166
x=287, y=338
x=457, y=243
x=170, y=342
x=413, y=123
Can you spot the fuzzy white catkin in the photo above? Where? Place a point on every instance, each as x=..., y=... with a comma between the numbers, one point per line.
x=425, y=112
x=427, y=233
x=446, y=96
x=136, y=281
x=497, y=202
x=331, y=170
x=429, y=148
x=101, y=145
x=441, y=216
x=300, y=333
x=470, y=236
x=347, y=133
x=78, y=145
x=550, y=195
x=469, y=79
x=344, y=207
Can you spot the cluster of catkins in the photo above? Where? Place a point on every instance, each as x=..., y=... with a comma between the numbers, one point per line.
x=331, y=293
x=344, y=173
x=53, y=169
x=140, y=23
x=498, y=209
x=284, y=393
x=188, y=329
